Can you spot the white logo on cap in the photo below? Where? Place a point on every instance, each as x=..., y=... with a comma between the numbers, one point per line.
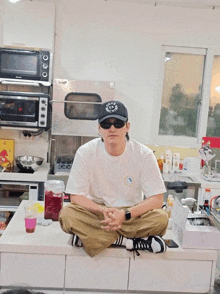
x=111, y=107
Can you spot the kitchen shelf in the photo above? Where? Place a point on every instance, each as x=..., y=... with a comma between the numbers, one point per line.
x=8, y=208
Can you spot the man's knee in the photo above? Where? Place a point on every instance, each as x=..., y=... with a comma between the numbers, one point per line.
x=66, y=219
x=162, y=220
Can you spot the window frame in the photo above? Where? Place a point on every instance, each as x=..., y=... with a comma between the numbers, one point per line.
x=184, y=141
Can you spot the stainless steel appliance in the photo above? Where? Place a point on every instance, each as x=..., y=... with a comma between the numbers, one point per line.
x=75, y=106
x=28, y=163
x=24, y=109
x=189, y=187
x=10, y=191
x=26, y=65
x=13, y=192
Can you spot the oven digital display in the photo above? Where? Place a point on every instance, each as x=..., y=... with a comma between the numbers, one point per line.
x=25, y=64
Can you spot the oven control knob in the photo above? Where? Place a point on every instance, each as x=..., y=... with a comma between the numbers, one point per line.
x=43, y=101
x=45, y=65
x=42, y=115
x=44, y=74
x=42, y=122
x=45, y=57
x=43, y=108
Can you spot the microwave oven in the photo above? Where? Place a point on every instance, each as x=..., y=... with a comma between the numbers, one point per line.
x=24, y=110
x=24, y=65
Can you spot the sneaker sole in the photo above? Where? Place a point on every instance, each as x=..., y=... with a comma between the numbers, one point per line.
x=162, y=243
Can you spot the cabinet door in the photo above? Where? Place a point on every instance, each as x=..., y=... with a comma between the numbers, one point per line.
x=32, y=270
x=189, y=276
x=96, y=273
x=29, y=23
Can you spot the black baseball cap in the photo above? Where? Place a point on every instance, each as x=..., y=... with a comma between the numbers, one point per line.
x=114, y=109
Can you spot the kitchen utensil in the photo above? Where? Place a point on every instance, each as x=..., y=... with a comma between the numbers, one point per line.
x=188, y=202
x=29, y=162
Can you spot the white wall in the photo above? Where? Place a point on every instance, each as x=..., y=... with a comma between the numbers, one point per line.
x=121, y=42
x=29, y=24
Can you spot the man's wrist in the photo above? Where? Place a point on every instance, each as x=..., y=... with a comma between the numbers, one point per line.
x=122, y=210
x=101, y=209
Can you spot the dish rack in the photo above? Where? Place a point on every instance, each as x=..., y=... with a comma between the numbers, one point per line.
x=63, y=164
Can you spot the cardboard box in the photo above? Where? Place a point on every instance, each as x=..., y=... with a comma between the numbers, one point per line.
x=4, y=219
x=7, y=154
x=190, y=236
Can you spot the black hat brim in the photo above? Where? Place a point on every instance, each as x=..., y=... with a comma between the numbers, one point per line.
x=113, y=116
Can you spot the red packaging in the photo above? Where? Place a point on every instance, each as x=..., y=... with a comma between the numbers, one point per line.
x=53, y=205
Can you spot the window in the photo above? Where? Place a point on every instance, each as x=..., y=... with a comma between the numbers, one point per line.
x=181, y=96
x=82, y=106
x=182, y=108
x=213, y=123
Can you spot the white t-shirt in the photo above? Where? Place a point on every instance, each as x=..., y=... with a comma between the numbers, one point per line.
x=115, y=180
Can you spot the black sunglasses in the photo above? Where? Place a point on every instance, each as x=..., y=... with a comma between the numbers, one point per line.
x=118, y=124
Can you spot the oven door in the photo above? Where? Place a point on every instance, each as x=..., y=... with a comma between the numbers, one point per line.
x=23, y=109
x=76, y=104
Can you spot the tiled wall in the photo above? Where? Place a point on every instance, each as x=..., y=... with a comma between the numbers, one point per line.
x=184, y=152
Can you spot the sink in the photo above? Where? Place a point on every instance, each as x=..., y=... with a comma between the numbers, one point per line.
x=179, y=177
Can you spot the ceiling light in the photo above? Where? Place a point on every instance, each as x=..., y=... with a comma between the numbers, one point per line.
x=13, y=1
x=217, y=89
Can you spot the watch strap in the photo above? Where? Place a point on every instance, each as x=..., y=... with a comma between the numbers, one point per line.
x=127, y=215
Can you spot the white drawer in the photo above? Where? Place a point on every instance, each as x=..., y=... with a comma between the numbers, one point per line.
x=96, y=273
x=172, y=275
x=32, y=269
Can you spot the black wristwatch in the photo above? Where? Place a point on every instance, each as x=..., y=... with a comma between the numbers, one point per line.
x=127, y=215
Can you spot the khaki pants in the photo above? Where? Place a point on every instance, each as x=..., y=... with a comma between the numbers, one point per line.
x=75, y=219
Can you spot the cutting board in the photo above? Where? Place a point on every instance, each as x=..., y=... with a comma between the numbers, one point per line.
x=7, y=154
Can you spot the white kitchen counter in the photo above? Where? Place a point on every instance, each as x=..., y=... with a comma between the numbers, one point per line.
x=207, y=184
x=38, y=176
x=47, y=259
x=190, y=179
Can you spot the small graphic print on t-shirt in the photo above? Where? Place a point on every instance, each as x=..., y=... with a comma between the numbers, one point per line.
x=129, y=181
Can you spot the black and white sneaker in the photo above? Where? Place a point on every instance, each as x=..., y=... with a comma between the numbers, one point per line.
x=76, y=241
x=120, y=242
x=154, y=244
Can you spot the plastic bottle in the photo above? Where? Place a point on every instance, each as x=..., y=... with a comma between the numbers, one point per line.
x=206, y=199
x=170, y=202
x=53, y=199
x=160, y=162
